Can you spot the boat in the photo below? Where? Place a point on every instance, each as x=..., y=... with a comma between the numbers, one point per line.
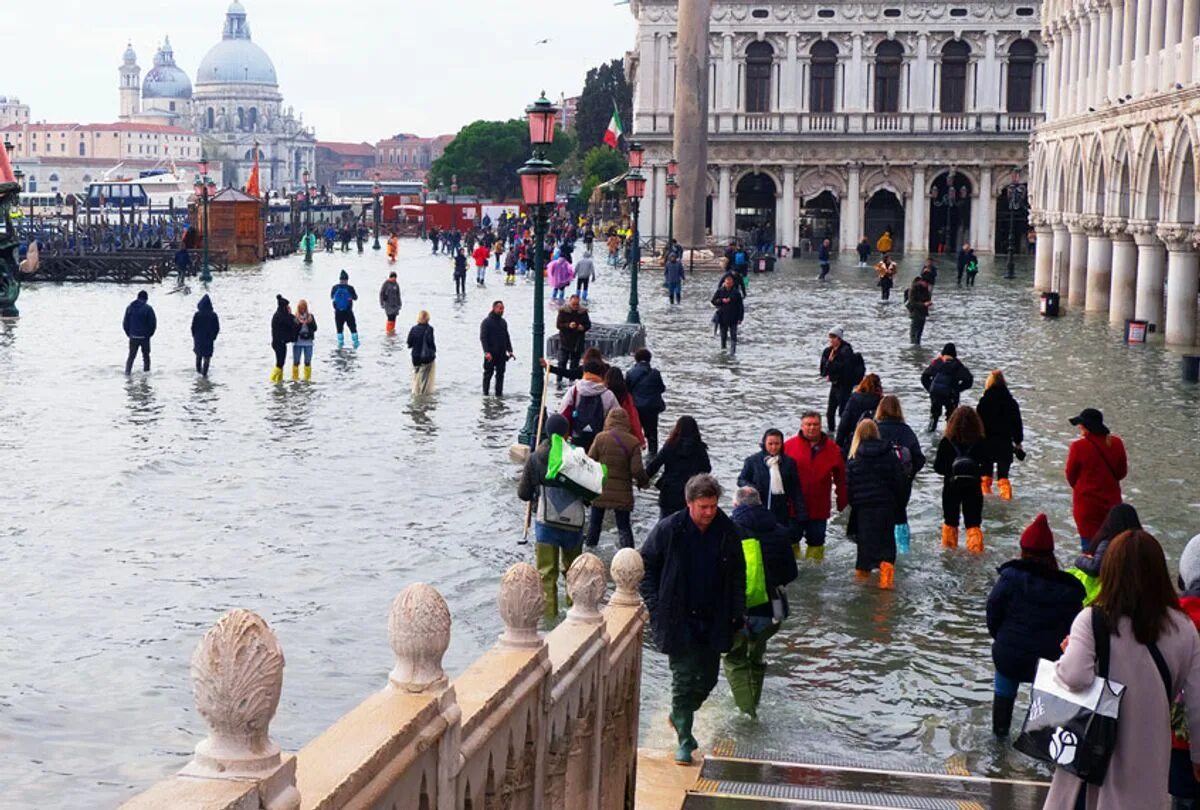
x=157, y=190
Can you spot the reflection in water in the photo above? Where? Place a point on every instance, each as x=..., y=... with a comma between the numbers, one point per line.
x=144, y=409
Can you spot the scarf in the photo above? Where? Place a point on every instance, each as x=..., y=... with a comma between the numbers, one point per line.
x=776, y=476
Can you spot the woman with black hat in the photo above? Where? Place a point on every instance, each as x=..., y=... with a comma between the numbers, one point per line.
x=283, y=332
x=1096, y=465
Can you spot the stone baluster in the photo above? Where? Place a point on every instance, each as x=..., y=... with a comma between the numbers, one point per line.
x=586, y=585
x=1183, y=281
x=237, y=677
x=627, y=571
x=1098, y=272
x=1124, y=271
x=521, y=603
x=419, y=631
x=1149, y=302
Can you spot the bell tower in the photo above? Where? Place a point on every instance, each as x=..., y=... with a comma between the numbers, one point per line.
x=130, y=84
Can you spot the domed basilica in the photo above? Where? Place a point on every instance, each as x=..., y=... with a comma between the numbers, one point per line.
x=234, y=104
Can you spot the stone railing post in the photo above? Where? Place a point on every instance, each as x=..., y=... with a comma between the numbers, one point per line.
x=627, y=571
x=586, y=585
x=419, y=631
x=622, y=681
x=521, y=603
x=237, y=677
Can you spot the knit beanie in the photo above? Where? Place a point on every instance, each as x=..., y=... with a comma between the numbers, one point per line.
x=949, y=350
x=344, y=276
x=1038, y=537
x=281, y=301
x=557, y=425
x=1189, y=563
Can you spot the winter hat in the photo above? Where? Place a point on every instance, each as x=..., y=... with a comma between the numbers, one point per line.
x=557, y=425
x=1038, y=537
x=836, y=332
x=344, y=276
x=1091, y=419
x=949, y=350
x=143, y=295
x=390, y=275
x=1189, y=563
x=281, y=301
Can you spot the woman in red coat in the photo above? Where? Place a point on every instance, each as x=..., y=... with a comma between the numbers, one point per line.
x=1096, y=464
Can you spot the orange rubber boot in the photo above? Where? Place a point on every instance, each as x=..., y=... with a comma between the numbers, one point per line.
x=861, y=576
x=949, y=536
x=887, y=576
x=975, y=540
x=985, y=484
x=1005, y=487
x=391, y=330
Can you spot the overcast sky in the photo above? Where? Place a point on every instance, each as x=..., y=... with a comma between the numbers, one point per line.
x=359, y=70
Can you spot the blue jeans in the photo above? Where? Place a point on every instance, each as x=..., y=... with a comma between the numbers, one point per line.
x=299, y=351
x=1005, y=686
x=813, y=531
x=675, y=291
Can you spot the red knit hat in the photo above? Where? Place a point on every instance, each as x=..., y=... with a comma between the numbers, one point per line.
x=1037, y=535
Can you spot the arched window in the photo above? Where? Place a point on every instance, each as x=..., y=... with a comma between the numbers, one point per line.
x=823, y=78
x=241, y=117
x=210, y=118
x=31, y=184
x=253, y=118
x=955, y=55
x=889, y=57
x=82, y=149
x=759, y=58
x=1022, y=58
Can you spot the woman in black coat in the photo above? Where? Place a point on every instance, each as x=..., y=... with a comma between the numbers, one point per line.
x=896, y=432
x=961, y=459
x=876, y=483
x=283, y=332
x=205, y=328
x=683, y=455
x=862, y=402
x=785, y=500
x=1003, y=432
x=730, y=312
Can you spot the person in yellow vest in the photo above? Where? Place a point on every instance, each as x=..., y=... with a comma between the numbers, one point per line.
x=884, y=245
x=770, y=566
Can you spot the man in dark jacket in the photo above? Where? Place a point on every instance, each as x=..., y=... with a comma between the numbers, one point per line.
x=497, y=348
x=770, y=566
x=918, y=301
x=838, y=367
x=966, y=257
x=777, y=480
x=139, y=325
x=573, y=325
x=730, y=311
x=945, y=379
x=205, y=328
x=646, y=386
x=695, y=591
x=343, y=297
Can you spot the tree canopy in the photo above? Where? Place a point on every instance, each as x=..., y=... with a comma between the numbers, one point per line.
x=604, y=85
x=600, y=164
x=486, y=155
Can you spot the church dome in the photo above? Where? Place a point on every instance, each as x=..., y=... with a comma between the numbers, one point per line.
x=130, y=57
x=236, y=59
x=166, y=79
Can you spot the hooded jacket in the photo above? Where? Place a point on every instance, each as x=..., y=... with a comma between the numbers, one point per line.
x=821, y=469
x=779, y=561
x=617, y=449
x=1029, y=613
x=139, y=321
x=588, y=388
x=679, y=461
x=389, y=297
x=646, y=386
x=1001, y=417
x=283, y=325
x=561, y=272
x=205, y=328
x=946, y=379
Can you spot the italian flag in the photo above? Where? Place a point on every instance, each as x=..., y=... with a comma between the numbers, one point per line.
x=612, y=135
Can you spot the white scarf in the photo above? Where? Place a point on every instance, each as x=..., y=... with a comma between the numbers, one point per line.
x=776, y=476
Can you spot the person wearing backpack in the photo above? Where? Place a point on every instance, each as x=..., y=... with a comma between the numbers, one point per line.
x=587, y=403
x=617, y=449
x=1096, y=465
x=1029, y=611
x=558, y=516
x=645, y=384
x=895, y=431
x=945, y=379
x=843, y=368
x=876, y=482
x=961, y=459
x=424, y=354
x=343, y=297
x=302, y=348
x=862, y=403
x=917, y=301
x=1150, y=646
x=1004, y=432
x=966, y=257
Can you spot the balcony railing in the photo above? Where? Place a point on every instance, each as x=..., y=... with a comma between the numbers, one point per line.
x=850, y=123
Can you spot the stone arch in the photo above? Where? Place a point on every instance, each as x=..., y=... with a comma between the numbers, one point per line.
x=814, y=181
x=1094, y=189
x=769, y=171
x=1180, y=196
x=1147, y=203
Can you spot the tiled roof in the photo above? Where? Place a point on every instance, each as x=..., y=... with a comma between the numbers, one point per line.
x=348, y=149
x=120, y=126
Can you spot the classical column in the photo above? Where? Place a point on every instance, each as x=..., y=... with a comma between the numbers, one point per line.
x=918, y=240
x=857, y=97
x=691, y=120
x=984, y=212
x=1141, y=59
x=990, y=101
x=1183, y=281
x=1125, y=83
x=790, y=95
x=1191, y=12
x=1154, y=58
x=1171, y=44
x=1043, y=260
x=1124, y=271
x=1054, y=71
x=658, y=225
x=1074, y=73
x=1062, y=251
x=1101, y=92
x=853, y=216
x=721, y=215
x=1091, y=64
x=1115, y=12
x=922, y=77
x=1073, y=286
x=1099, y=264
x=1149, y=302
x=785, y=227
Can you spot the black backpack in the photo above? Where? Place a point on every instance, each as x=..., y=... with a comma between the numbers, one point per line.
x=964, y=469
x=587, y=418
x=858, y=369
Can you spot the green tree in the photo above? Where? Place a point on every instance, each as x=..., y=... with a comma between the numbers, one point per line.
x=600, y=164
x=485, y=156
x=604, y=86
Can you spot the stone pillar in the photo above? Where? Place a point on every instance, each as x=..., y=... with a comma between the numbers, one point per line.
x=1191, y=12
x=1062, y=251
x=984, y=213
x=1141, y=60
x=1075, y=288
x=852, y=207
x=1128, y=48
x=1052, y=71
x=658, y=223
x=790, y=79
x=1183, y=281
x=1091, y=45
x=786, y=227
x=1154, y=57
x=918, y=239
x=1149, y=303
x=858, y=98
x=722, y=219
x=1124, y=271
x=1067, y=82
x=1043, y=262
x=725, y=79
x=922, y=77
x=1099, y=266
x=691, y=120
x=1104, y=56
x=1170, y=68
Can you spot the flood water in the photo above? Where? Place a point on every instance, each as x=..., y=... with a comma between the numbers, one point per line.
x=138, y=510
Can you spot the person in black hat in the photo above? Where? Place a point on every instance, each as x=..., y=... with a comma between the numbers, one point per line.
x=945, y=379
x=1096, y=464
x=283, y=332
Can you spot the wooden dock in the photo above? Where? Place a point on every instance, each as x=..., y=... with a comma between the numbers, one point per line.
x=124, y=267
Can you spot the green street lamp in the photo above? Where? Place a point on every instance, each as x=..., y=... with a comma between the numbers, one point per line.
x=672, y=193
x=307, y=218
x=376, y=190
x=539, y=188
x=205, y=188
x=635, y=190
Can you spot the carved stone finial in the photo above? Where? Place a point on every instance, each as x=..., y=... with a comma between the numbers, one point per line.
x=521, y=604
x=419, y=629
x=627, y=571
x=237, y=676
x=586, y=584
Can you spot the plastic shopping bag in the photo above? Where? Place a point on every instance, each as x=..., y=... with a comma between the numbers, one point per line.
x=571, y=468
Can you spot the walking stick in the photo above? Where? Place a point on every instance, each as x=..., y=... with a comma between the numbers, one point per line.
x=541, y=420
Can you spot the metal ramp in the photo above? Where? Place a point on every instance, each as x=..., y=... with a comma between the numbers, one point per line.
x=742, y=778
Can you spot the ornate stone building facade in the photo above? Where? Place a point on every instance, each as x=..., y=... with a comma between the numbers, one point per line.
x=846, y=118
x=1113, y=169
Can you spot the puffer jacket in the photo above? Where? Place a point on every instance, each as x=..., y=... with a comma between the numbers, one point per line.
x=1029, y=613
x=389, y=298
x=617, y=449
x=205, y=328
x=679, y=461
x=779, y=562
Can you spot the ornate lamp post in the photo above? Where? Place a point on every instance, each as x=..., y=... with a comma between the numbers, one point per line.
x=672, y=193
x=1016, y=199
x=948, y=201
x=375, y=192
x=307, y=218
x=204, y=186
x=635, y=190
x=539, y=188
x=453, y=192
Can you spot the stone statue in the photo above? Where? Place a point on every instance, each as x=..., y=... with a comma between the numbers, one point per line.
x=10, y=282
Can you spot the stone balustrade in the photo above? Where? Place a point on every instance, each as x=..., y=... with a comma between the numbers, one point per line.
x=538, y=721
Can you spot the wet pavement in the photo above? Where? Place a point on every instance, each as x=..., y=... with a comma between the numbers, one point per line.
x=140, y=509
